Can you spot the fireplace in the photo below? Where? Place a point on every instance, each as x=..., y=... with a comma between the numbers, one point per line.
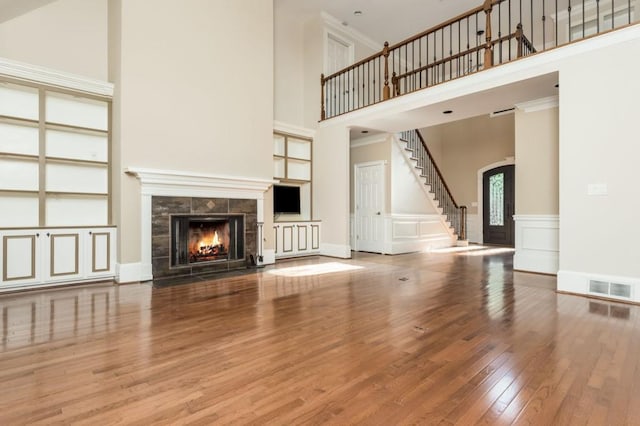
x=197, y=239
x=198, y=235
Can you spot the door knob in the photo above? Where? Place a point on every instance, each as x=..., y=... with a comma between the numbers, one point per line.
x=378, y=213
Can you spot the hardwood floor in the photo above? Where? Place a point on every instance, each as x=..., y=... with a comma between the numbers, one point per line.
x=446, y=338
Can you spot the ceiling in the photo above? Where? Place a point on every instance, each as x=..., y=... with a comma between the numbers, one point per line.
x=381, y=20
x=9, y=9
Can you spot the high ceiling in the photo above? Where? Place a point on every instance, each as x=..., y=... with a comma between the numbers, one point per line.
x=381, y=20
x=9, y=9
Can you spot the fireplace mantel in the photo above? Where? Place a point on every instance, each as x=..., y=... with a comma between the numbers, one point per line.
x=154, y=182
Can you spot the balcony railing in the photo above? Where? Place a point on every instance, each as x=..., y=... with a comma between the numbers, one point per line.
x=497, y=32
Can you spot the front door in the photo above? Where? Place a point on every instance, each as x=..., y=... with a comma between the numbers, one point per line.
x=369, y=205
x=498, y=205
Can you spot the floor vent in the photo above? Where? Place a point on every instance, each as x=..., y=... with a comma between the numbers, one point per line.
x=605, y=288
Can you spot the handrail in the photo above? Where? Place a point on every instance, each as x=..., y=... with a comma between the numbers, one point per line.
x=455, y=47
x=456, y=215
x=437, y=169
x=438, y=27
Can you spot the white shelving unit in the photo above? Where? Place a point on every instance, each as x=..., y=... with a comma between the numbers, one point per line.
x=54, y=186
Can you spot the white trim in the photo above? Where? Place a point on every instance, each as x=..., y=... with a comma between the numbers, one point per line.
x=51, y=77
x=537, y=243
x=335, y=250
x=268, y=257
x=291, y=129
x=132, y=272
x=335, y=24
x=578, y=283
x=508, y=161
x=406, y=233
x=383, y=197
x=369, y=140
x=515, y=71
x=539, y=104
x=474, y=228
x=172, y=183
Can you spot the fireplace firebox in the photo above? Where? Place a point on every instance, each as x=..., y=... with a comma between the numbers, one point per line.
x=200, y=239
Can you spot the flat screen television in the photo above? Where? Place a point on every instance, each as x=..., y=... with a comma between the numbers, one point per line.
x=286, y=199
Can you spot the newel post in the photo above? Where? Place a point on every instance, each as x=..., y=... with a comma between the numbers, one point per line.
x=488, y=49
x=386, y=93
x=519, y=39
x=322, y=111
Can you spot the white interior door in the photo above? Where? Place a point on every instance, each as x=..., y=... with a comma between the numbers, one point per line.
x=339, y=55
x=369, y=207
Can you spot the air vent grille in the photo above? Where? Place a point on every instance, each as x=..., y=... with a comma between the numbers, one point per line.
x=621, y=290
x=600, y=287
x=610, y=289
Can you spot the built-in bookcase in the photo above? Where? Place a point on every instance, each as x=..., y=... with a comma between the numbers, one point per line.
x=54, y=157
x=292, y=164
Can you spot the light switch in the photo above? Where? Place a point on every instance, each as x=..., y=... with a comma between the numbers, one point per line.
x=597, y=189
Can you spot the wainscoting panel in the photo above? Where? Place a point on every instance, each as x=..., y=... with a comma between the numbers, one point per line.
x=409, y=233
x=537, y=247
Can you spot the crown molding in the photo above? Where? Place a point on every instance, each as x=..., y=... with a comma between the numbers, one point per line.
x=294, y=130
x=50, y=77
x=539, y=104
x=369, y=140
x=334, y=23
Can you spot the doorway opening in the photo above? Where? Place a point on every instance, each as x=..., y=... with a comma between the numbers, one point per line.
x=498, y=204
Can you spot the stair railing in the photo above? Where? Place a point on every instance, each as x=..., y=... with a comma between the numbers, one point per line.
x=456, y=215
x=494, y=33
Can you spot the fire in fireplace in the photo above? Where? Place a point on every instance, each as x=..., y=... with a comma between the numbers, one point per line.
x=198, y=239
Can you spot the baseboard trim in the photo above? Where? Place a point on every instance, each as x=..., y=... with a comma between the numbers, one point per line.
x=268, y=257
x=578, y=283
x=422, y=244
x=132, y=272
x=335, y=250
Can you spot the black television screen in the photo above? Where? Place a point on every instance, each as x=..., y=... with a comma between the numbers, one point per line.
x=286, y=199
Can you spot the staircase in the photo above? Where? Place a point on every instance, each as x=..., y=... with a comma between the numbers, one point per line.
x=456, y=215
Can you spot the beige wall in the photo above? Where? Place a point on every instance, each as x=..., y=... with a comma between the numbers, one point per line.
x=599, y=144
x=331, y=187
x=463, y=147
x=289, y=49
x=195, y=93
x=537, y=162
x=66, y=35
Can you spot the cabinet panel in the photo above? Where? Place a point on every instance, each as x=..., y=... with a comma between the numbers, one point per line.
x=287, y=238
x=100, y=252
x=64, y=254
x=19, y=257
x=296, y=238
x=32, y=257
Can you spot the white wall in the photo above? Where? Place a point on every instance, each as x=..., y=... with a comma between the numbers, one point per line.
x=195, y=93
x=408, y=195
x=66, y=35
x=599, y=136
x=331, y=188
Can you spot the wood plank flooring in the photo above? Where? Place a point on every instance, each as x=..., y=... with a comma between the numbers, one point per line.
x=438, y=338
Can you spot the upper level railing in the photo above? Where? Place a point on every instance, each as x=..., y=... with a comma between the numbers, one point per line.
x=494, y=33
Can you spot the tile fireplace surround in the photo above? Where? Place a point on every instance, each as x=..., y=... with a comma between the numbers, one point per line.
x=166, y=192
x=162, y=208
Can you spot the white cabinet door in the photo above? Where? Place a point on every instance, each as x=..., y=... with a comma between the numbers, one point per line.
x=296, y=238
x=63, y=255
x=100, y=252
x=20, y=254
